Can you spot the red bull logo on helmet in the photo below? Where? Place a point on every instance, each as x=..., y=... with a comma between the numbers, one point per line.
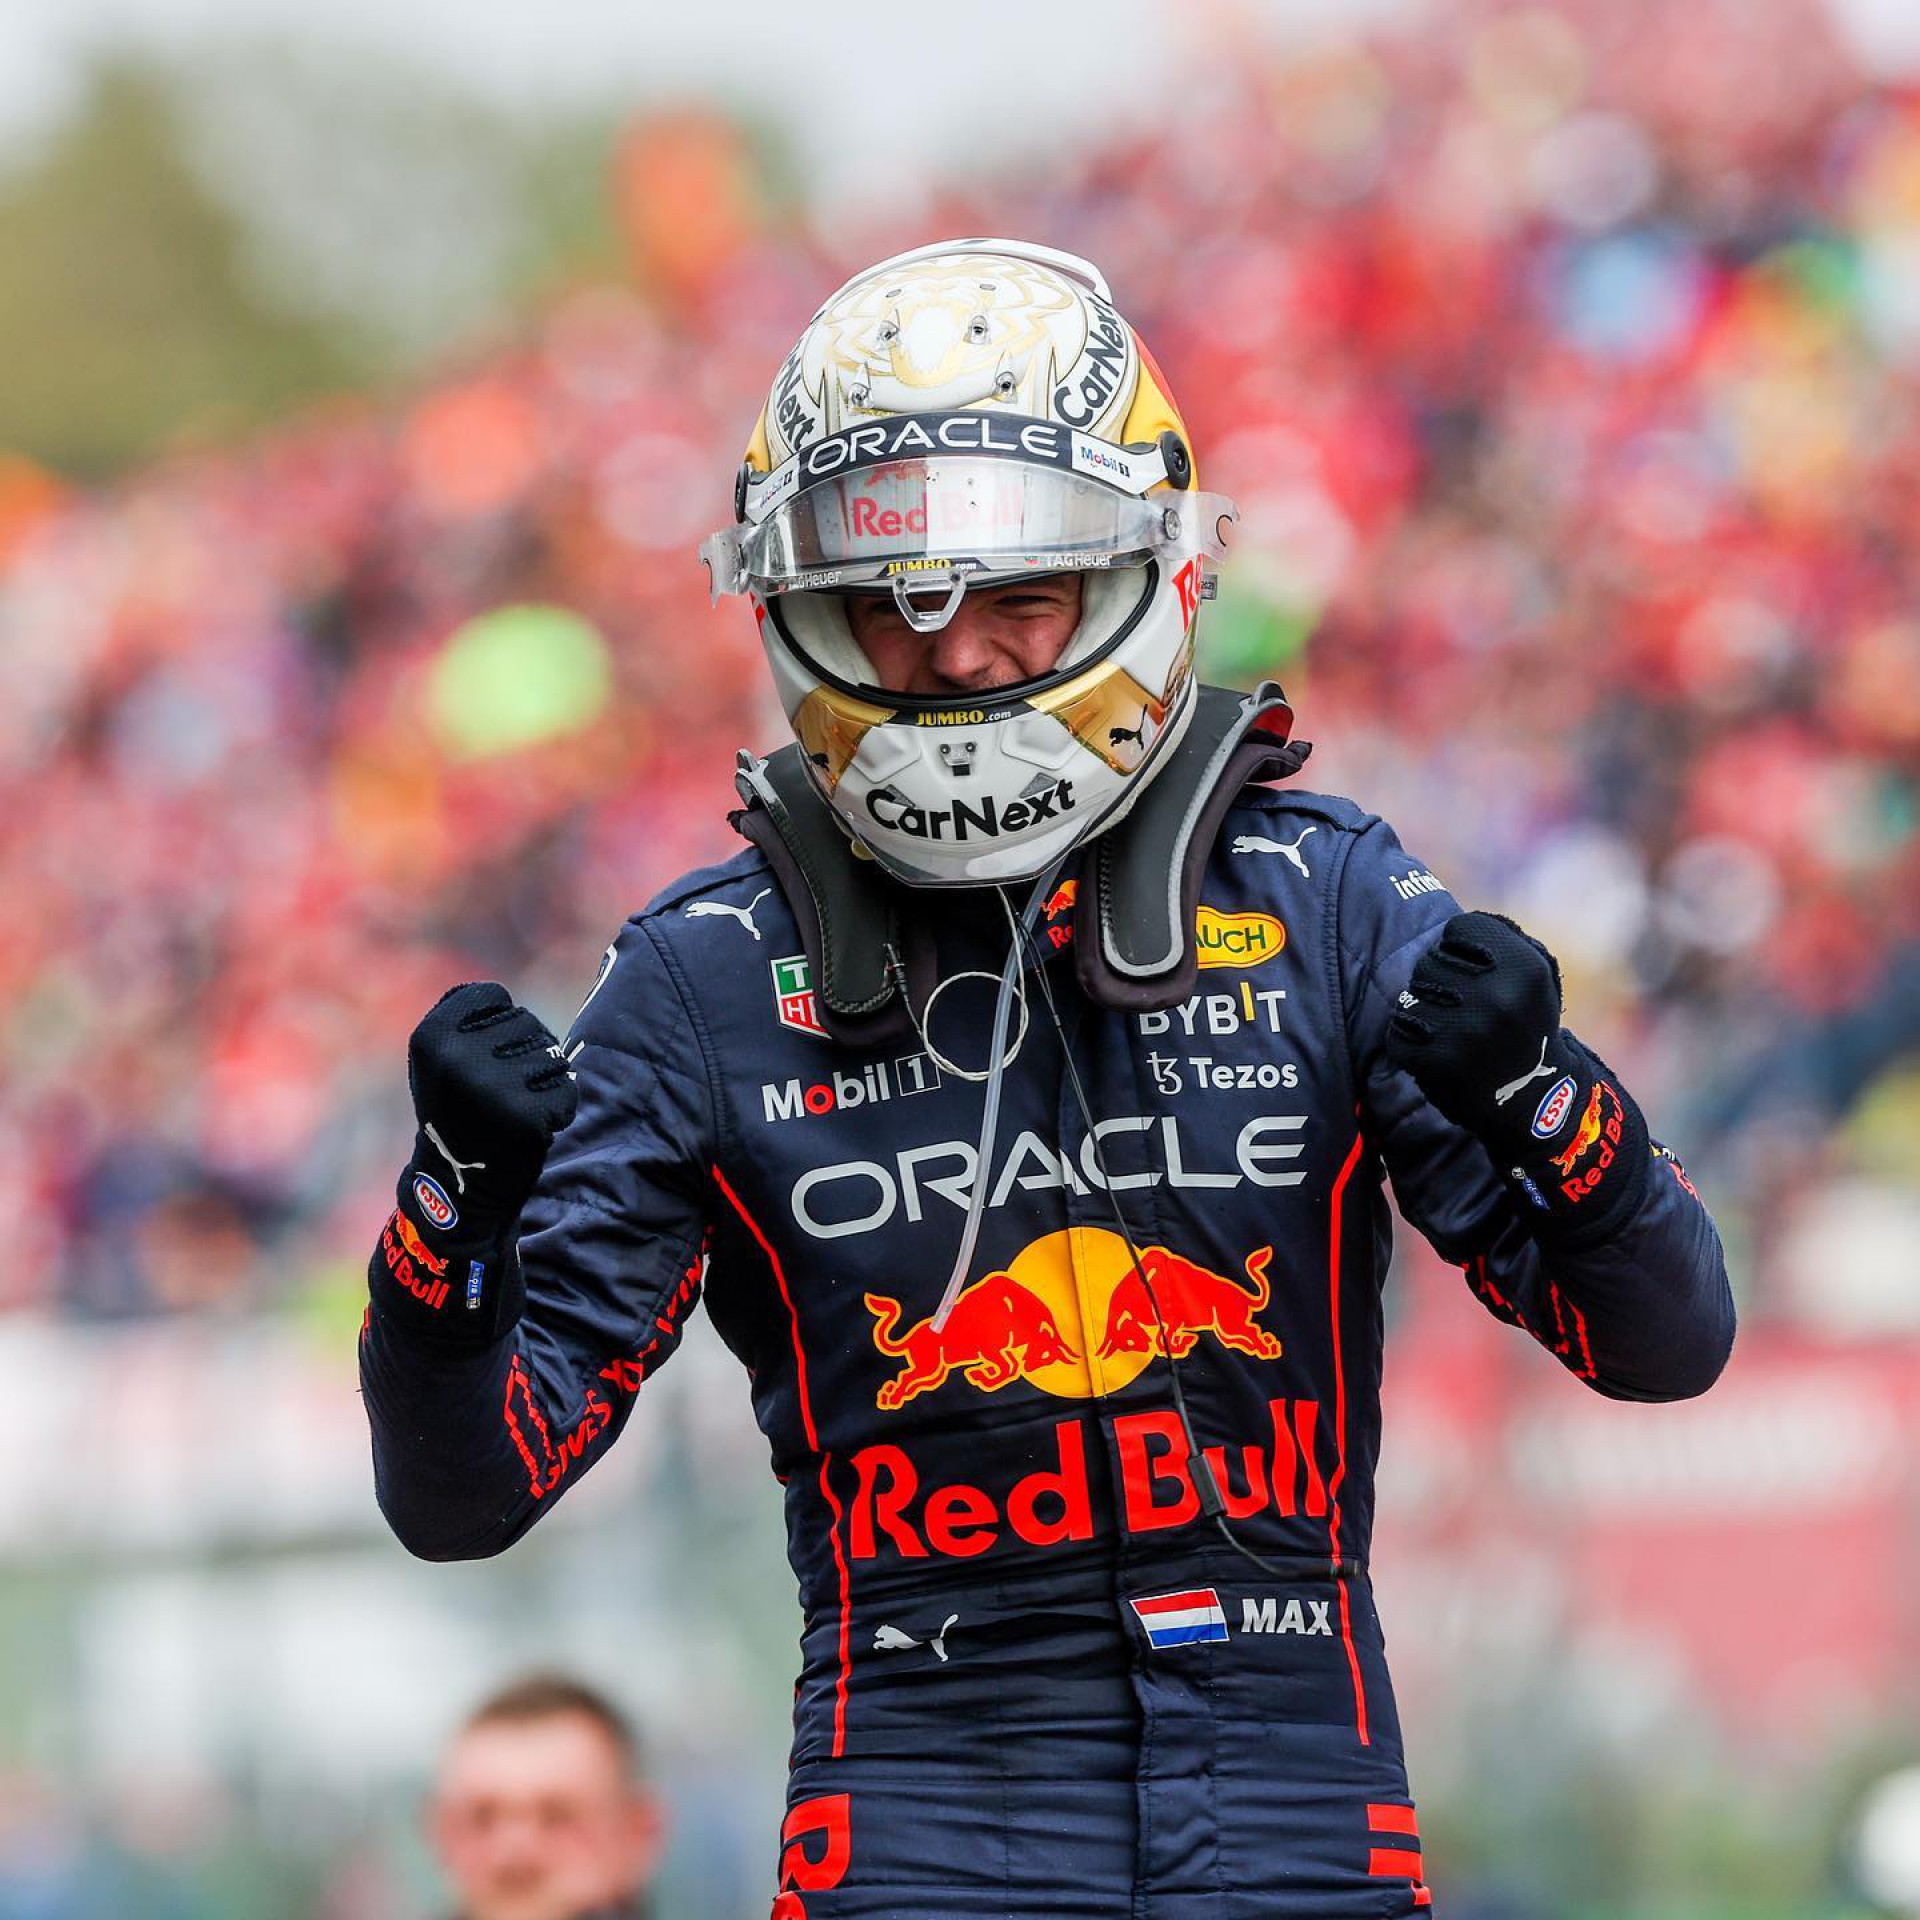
x=1075, y=1315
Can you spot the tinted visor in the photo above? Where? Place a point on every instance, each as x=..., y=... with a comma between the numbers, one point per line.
x=955, y=515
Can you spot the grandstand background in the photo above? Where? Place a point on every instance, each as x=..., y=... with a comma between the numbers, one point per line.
x=358, y=428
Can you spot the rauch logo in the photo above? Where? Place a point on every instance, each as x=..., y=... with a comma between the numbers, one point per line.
x=1237, y=939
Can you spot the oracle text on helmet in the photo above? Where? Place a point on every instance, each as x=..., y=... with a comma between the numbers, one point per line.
x=913, y=434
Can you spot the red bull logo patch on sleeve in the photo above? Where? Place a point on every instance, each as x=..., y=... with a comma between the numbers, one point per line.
x=1587, y=1134
x=410, y=1263
x=1600, y=1130
x=1181, y=1619
x=422, y=1254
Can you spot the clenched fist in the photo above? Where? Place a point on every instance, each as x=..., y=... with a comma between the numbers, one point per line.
x=491, y=1089
x=1478, y=1028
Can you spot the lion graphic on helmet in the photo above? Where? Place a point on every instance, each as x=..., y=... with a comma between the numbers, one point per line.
x=960, y=331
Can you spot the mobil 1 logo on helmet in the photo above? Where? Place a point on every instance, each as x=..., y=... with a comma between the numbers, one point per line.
x=865, y=1086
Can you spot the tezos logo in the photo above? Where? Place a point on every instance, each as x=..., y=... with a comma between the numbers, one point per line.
x=1237, y=939
x=1557, y=1102
x=431, y=1199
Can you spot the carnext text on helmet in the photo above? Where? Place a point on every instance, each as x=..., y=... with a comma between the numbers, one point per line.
x=893, y=811
x=1106, y=350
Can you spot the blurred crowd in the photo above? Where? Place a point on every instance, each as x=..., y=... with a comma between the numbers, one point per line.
x=1568, y=395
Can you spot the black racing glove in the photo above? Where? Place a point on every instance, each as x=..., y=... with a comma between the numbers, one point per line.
x=491, y=1089
x=1478, y=1028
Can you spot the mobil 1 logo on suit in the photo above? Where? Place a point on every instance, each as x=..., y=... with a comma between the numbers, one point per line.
x=879, y=1080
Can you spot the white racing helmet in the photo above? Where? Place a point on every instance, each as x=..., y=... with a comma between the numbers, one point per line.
x=972, y=413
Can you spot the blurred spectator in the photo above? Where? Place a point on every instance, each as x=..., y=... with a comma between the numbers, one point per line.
x=541, y=1811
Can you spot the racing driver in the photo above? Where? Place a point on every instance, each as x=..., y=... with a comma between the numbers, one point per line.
x=1023, y=1099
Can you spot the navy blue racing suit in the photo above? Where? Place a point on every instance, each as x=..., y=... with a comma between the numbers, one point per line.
x=1035, y=1679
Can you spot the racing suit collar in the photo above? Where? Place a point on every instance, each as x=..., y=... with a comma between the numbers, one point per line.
x=868, y=937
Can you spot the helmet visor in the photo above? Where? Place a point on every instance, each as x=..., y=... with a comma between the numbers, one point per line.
x=981, y=519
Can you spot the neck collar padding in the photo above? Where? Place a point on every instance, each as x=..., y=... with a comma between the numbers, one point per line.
x=1139, y=881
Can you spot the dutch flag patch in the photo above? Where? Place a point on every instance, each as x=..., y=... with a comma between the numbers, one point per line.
x=1180, y=1619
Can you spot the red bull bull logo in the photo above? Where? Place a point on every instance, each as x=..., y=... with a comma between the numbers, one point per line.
x=410, y=1238
x=1584, y=1135
x=411, y=1265
x=1073, y=1315
x=1600, y=1128
x=1166, y=1303
x=1060, y=901
x=998, y=1332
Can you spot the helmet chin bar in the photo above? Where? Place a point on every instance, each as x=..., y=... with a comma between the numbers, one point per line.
x=923, y=619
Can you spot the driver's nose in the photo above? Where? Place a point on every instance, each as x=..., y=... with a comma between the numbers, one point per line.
x=962, y=652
